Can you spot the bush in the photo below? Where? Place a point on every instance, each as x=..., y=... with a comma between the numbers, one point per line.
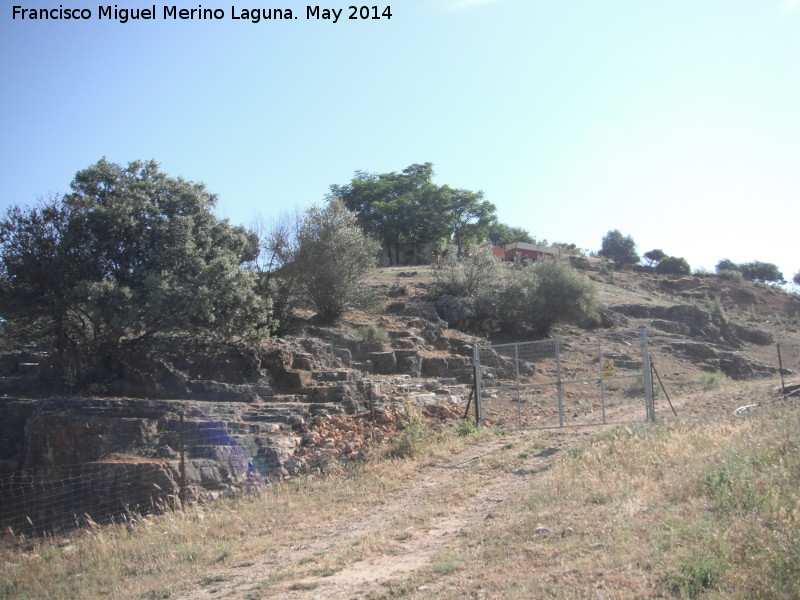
x=333, y=256
x=541, y=294
x=468, y=276
x=711, y=381
x=373, y=333
x=731, y=275
x=673, y=265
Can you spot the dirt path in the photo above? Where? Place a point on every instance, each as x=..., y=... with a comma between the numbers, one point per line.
x=429, y=515
x=359, y=556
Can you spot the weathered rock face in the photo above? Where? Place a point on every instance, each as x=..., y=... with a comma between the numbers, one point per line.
x=224, y=424
x=689, y=320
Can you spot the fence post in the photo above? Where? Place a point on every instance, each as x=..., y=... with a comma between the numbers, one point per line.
x=780, y=368
x=559, y=386
x=516, y=380
x=182, y=491
x=647, y=377
x=476, y=366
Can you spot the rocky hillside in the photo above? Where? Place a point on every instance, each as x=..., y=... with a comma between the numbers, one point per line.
x=205, y=425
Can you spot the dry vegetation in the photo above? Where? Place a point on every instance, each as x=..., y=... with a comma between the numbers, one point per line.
x=693, y=507
x=700, y=506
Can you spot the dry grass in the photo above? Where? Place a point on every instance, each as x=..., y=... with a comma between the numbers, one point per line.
x=155, y=557
x=683, y=510
x=691, y=508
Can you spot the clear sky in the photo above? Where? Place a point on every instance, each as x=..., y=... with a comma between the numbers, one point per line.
x=676, y=122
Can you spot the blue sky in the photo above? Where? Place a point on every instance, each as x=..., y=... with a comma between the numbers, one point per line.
x=676, y=122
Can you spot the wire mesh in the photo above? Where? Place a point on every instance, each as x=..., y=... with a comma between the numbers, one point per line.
x=153, y=469
x=583, y=380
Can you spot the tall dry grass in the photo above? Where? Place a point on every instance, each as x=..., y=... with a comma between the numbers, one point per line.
x=679, y=510
x=686, y=509
x=154, y=556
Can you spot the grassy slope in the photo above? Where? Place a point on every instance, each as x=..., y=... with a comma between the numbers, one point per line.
x=684, y=509
x=702, y=506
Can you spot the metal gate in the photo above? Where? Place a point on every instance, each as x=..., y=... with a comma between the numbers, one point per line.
x=597, y=379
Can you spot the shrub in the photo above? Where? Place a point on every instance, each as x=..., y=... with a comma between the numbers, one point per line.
x=733, y=275
x=466, y=427
x=373, y=333
x=541, y=294
x=333, y=256
x=711, y=381
x=467, y=276
x=673, y=265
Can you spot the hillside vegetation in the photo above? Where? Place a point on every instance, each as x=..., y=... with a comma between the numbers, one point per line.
x=691, y=507
x=126, y=302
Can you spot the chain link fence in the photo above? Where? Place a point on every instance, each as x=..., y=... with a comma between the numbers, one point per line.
x=576, y=381
x=165, y=464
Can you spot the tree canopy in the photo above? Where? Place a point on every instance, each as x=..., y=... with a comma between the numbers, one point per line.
x=128, y=255
x=501, y=234
x=408, y=207
x=619, y=248
x=653, y=257
x=726, y=264
x=761, y=272
x=673, y=265
x=756, y=271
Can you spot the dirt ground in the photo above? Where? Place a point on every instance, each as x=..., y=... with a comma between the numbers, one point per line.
x=421, y=540
x=370, y=574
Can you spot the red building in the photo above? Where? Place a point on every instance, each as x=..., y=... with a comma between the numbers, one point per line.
x=521, y=250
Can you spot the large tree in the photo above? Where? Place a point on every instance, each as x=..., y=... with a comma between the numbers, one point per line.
x=128, y=256
x=619, y=248
x=408, y=207
x=501, y=234
x=655, y=256
x=761, y=272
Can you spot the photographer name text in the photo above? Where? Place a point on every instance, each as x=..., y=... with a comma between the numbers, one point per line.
x=201, y=13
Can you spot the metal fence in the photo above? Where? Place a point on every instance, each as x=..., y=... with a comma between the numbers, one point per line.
x=166, y=462
x=586, y=380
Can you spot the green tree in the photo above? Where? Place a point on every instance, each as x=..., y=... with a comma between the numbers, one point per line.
x=387, y=205
x=619, y=248
x=653, y=257
x=469, y=217
x=796, y=278
x=501, y=234
x=540, y=294
x=673, y=265
x=570, y=248
x=409, y=207
x=129, y=256
x=761, y=272
x=333, y=256
x=726, y=265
